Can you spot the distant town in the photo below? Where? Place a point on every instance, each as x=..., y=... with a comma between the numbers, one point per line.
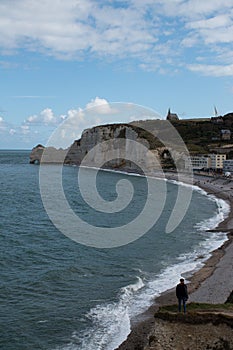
x=209, y=141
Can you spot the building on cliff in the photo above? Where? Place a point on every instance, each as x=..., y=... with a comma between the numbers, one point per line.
x=172, y=116
x=225, y=134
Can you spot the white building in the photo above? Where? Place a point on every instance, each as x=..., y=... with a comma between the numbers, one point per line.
x=210, y=161
x=228, y=166
x=217, y=161
x=200, y=162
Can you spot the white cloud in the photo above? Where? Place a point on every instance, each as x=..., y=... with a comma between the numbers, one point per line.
x=190, y=41
x=97, y=106
x=25, y=129
x=75, y=121
x=217, y=29
x=12, y=132
x=68, y=28
x=196, y=9
x=213, y=70
x=211, y=23
x=45, y=117
x=221, y=36
x=48, y=116
x=100, y=106
x=147, y=32
x=3, y=125
x=72, y=123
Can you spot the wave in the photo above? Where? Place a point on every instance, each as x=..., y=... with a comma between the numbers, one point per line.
x=223, y=208
x=111, y=322
x=113, y=171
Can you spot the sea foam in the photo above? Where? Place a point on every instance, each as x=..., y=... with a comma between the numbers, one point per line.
x=111, y=322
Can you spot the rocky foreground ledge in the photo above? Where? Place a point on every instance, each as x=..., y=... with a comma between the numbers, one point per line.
x=205, y=326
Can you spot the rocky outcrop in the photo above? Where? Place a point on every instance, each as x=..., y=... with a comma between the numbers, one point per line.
x=47, y=154
x=204, y=326
x=213, y=332
x=36, y=154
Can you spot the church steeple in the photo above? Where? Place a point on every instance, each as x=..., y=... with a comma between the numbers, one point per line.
x=172, y=116
x=215, y=112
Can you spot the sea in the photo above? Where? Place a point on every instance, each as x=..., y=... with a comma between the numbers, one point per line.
x=58, y=294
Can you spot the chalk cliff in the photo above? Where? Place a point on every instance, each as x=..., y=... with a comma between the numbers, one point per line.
x=111, y=146
x=127, y=147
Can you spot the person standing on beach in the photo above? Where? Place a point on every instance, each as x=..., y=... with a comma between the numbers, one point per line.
x=182, y=294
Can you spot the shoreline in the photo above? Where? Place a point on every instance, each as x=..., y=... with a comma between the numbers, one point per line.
x=203, y=283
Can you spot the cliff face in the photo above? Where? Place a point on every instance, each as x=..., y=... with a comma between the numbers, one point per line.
x=94, y=136
x=115, y=146
x=111, y=146
x=126, y=147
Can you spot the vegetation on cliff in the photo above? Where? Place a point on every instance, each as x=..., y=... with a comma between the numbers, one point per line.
x=202, y=135
x=198, y=313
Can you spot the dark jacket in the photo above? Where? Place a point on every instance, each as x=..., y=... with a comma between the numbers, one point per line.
x=181, y=291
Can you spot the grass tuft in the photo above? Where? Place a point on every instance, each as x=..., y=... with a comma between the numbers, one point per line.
x=198, y=307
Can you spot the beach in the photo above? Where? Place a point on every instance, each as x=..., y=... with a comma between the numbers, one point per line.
x=213, y=283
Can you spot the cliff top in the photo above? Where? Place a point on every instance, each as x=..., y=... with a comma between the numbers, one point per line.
x=205, y=326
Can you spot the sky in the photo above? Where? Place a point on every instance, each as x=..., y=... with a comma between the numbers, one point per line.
x=60, y=57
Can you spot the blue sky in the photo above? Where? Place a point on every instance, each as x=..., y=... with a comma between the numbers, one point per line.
x=58, y=58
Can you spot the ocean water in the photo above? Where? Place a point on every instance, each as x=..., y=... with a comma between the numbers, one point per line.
x=56, y=294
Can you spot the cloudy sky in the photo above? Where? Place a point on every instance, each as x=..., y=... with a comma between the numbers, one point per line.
x=59, y=57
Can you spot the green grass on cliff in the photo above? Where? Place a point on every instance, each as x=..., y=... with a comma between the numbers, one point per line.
x=199, y=307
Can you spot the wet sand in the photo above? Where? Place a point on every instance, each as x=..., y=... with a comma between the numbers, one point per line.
x=213, y=283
